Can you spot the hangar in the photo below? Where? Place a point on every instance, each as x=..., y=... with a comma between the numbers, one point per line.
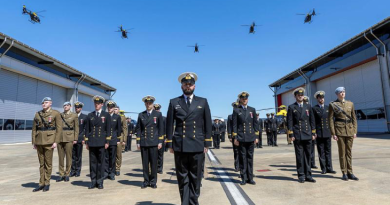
x=361, y=65
x=27, y=76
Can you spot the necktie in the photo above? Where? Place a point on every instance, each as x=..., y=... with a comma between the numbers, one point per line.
x=148, y=114
x=245, y=108
x=97, y=114
x=188, y=102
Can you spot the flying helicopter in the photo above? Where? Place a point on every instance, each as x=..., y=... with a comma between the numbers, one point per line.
x=196, y=47
x=34, y=16
x=123, y=31
x=308, y=16
x=252, y=27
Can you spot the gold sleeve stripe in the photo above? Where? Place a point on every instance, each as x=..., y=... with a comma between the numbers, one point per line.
x=208, y=140
x=234, y=134
x=313, y=131
x=290, y=132
x=161, y=138
x=85, y=139
x=257, y=133
x=138, y=138
x=108, y=138
x=168, y=141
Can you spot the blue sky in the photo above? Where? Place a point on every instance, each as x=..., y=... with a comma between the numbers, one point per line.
x=81, y=34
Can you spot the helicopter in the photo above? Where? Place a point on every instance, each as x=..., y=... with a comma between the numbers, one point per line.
x=308, y=16
x=34, y=16
x=196, y=47
x=252, y=27
x=123, y=31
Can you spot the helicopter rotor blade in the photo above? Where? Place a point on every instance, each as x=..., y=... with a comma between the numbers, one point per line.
x=40, y=11
x=302, y=14
x=245, y=25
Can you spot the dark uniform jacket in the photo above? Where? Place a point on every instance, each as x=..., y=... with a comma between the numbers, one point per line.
x=150, y=129
x=230, y=126
x=300, y=121
x=245, y=125
x=223, y=127
x=217, y=129
x=193, y=125
x=273, y=124
x=261, y=126
x=164, y=128
x=98, y=129
x=322, y=121
x=116, y=129
x=48, y=130
x=82, y=123
x=130, y=128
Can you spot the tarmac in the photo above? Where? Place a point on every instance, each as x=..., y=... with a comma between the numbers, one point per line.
x=274, y=169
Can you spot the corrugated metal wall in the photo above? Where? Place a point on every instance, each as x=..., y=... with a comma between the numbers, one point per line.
x=20, y=99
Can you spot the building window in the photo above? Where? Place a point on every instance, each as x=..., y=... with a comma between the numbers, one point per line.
x=19, y=124
x=370, y=114
x=29, y=124
x=1, y=124
x=9, y=124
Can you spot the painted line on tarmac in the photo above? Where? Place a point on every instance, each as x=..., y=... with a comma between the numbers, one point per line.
x=235, y=193
x=16, y=143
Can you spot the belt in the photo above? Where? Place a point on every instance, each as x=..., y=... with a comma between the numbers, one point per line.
x=66, y=128
x=46, y=129
x=342, y=120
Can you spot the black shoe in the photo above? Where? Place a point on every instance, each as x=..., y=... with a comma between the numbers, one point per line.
x=118, y=173
x=331, y=172
x=46, y=188
x=276, y=145
x=324, y=172
x=301, y=180
x=243, y=182
x=154, y=186
x=144, y=186
x=261, y=147
x=352, y=177
x=239, y=176
x=66, y=179
x=77, y=175
x=160, y=172
x=314, y=167
x=72, y=174
x=123, y=151
x=38, y=188
x=236, y=170
x=100, y=186
x=111, y=177
x=60, y=179
x=345, y=178
x=92, y=186
x=310, y=180
x=252, y=182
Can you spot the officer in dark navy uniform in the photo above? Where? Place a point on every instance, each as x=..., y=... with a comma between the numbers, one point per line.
x=231, y=138
x=301, y=126
x=324, y=143
x=97, y=139
x=267, y=127
x=190, y=139
x=313, y=144
x=111, y=151
x=160, y=161
x=216, y=133
x=260, y=123
x=150, y=136
x=78, y=147
x=246, y=132
x=130, y=131
x=223, y=129
x=273, y=126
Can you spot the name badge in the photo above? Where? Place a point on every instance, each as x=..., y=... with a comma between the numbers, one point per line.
x=103, y=119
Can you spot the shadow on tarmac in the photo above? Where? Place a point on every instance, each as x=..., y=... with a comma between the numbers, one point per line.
x=151, y=203
x=30, y=185
x=81, y=183
x=132, y=183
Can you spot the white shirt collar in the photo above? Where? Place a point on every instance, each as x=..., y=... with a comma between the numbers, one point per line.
x=300, y=104
x=244, y=106
x=99, y=111
x=78, y=115
x=150, y=112
x=191, y=98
